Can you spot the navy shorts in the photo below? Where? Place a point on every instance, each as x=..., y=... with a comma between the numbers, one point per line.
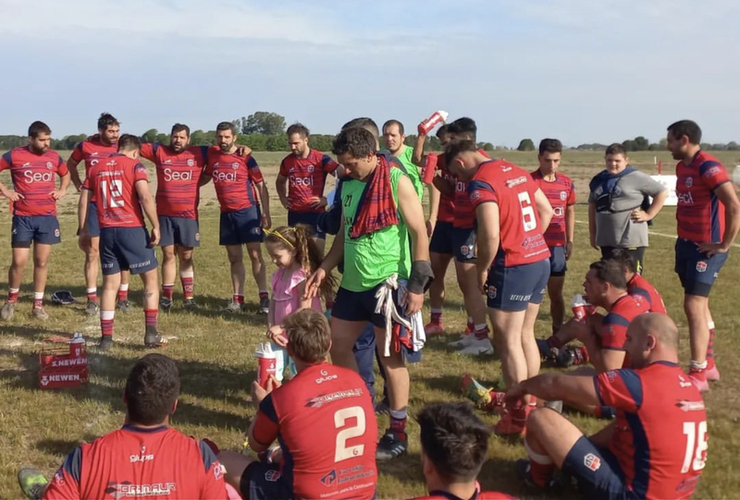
x=178, y=231
x=637, y=254
x=360, y=306
x=240, y=227
x=263, y=482
x=126, y=248
x=93, y=226
x=43, y=229
x=441, y=241
x=696, y=271
x=463, y=243
x=597, y=472
x=309, y=219
x=514, y=288
x=558, y=264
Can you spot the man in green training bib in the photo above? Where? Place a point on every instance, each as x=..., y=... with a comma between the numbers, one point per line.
x=380, y=214
x=394, y=138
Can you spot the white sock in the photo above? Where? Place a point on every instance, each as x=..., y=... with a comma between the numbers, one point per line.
x=398, y=414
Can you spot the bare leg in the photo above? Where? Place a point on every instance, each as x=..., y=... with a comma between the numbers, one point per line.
x=238, y=273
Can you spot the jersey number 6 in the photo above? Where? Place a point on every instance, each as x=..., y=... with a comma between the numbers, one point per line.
x=529, y=219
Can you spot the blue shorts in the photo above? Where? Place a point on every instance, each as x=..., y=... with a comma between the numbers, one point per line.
x=126, y=248
x=696, y=271
x=262, y=481
x=43, y=229
x=597, y=472
x=178, y=231
x=514, y=288
x=240, y=227
x=558, y=264
x=360, y=306
x=463, y=243
x=93, y=226
x=309, y=219
x=441, y=241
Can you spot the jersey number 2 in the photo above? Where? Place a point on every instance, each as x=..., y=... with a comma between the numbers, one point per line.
x=342, y=451
x=696, y=446
x=112, y=192
x=529, y=219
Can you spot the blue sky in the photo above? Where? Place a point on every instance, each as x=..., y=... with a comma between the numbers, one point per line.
x=579, y=70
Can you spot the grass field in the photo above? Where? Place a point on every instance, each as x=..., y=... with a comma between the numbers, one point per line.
x=214, y=353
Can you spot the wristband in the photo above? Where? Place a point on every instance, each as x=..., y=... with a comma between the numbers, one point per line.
x=421, y=276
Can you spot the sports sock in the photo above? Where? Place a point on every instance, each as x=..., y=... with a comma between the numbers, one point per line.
x=238, y=299
x=541, y=466
x=471, y=325
x=123, y=292
x=437, y=316
x=187, y=278
x=481, y=331
x=264, y=294
x=13, y=295
x=167, y=290
x=150, y=319
x=38, y=300
x=398, y=423
x=106, y=323
x=92, y=294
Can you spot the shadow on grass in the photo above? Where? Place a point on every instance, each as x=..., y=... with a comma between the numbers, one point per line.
x=212, y=307
x=61, y=446
x=406, y=468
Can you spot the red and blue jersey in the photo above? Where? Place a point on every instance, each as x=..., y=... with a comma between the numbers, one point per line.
x=306, y=178
x=325, y=423
x=178, y=178
x=464, y=211
x=640, y=286
x=660, y=433
x=446, y=211
x=513, y=190
x=700, y=215
x=615, y=323
x=478, y=495
x=92, y=151
x=34, y=177
x=112, y=183
x=561, y=193
x=133, y=462
x=233, y=178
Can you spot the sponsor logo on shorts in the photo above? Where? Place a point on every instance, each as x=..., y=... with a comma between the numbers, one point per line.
x=520, y=298
x=256, y=230
x=592, y=462
x=689, y=182
x=701, y=266
x=141, y=264
x=272, y=476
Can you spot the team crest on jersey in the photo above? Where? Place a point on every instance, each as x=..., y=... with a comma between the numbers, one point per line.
x=218, y=471
x=272, y=476
x=701, y=266
x=191, y=162
x=310, y=169
x=49, y=165
x=563, y=195
x=58, y=478
x=476, y=195
x=592, y=462
x=611, y=375
x=492, y=292
x=689, y=182
x=330, y=478
x=235, y=165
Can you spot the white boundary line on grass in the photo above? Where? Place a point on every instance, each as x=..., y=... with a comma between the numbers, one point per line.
x=653, y=233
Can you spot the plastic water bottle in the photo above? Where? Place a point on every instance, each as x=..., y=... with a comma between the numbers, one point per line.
x=427, y=125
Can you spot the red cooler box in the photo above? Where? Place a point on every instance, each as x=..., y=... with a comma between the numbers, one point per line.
x=63, y=362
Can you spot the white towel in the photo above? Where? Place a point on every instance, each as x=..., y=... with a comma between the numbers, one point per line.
x=384, y=305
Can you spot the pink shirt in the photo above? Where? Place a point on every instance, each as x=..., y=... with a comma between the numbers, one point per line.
x=285, y=294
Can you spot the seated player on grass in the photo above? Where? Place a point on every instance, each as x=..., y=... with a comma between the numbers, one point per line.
x=454, y=446
x=145, y=458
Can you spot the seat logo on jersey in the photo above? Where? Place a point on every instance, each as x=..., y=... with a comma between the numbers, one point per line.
x=173, y=175
x=689, y=182
x=558, y=211
x=701, y=266
x=301, y=181
x=32, y=177
x=224, y=177
x=592, y=462
x=126, y=489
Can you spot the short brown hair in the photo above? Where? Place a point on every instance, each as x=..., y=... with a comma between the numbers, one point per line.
x=309, y=335
x=616, y=149
x=128, y=142
x=610, y=271
x=297, y=128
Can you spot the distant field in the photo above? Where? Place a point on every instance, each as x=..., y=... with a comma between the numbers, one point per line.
x=214, y=352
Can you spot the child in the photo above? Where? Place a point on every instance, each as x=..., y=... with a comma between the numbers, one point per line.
x=296, y=255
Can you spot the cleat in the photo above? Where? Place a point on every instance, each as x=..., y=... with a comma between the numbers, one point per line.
x=92, y=308
x=391, y=445
x=264, y=305
x=699, y=379
x=152, y=340
x=383, y=407
x=555, y=485
x=546, y=350
x=7, y=311
x=106, y=342
x=434, y=328
x=232, y=307
x=124, y=306
x=39, y=313
x=477, y=347
x=510, y=424
x=464, y=341
x=165, y=304
x=712, y=373
x=190, y=304
x=32, y=482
